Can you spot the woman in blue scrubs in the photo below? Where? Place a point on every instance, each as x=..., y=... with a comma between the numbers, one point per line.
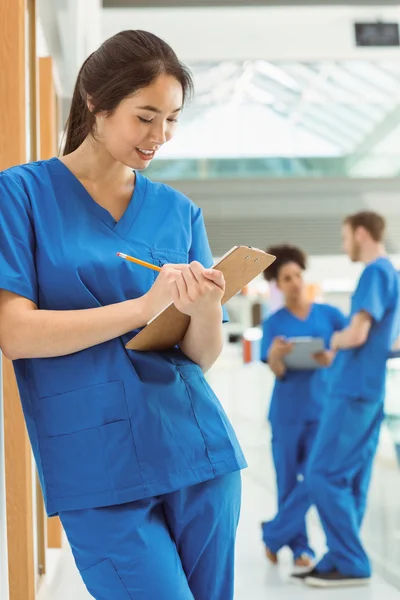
x=296, y=403
x=134, y=450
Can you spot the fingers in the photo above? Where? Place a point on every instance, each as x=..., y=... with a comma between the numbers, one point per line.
x=216, y=277
x=198, y=270
x=170, y=273
x=323, y=358
x=195, y=266
x=181, y=287
x=192, y=283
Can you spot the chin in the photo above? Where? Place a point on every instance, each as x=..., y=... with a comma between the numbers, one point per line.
x=133, y=162
x=138, y=165
x=143, y=166
x=135, y=165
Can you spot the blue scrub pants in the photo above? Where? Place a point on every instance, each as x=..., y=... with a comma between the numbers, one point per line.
x=338, y=478
x=179, y=546
x=291, y=447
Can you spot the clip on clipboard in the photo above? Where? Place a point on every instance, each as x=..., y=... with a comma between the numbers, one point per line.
x=167, y=329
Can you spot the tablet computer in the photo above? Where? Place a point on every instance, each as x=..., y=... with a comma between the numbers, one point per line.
x=301, y=357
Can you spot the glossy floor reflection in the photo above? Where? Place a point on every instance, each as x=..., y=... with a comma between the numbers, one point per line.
x=244, y=391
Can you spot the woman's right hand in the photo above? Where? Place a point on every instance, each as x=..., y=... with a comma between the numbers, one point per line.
x=160, y=294
x=279, y=348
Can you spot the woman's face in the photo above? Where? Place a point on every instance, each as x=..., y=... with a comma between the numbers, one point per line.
x=142, y=123
x=291, y=282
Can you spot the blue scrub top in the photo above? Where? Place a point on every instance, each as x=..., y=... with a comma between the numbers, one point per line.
x=298, y=396
x=361, y=372
x=107, y=425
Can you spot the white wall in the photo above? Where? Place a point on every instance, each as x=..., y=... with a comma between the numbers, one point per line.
x=305, y=212
x=287, y=33
x=69, y=30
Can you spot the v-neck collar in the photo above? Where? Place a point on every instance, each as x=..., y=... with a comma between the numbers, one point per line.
x=124, y=224
x=298, y=318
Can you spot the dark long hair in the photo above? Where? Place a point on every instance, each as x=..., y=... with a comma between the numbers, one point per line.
x=124, y=64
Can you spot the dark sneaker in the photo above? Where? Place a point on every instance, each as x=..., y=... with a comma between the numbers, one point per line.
x=334, y=579
x=301, y=577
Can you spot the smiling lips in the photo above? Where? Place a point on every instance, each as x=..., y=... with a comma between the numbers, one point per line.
x=145, y=155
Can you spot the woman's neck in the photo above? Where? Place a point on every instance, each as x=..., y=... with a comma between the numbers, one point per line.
x=299, y=306
x=92, y=163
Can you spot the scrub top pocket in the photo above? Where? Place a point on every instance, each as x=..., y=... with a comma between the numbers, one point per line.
x=86, y=441
x=168, y=257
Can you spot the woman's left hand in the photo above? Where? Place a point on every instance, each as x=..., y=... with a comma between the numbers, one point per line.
x=199, y=291
x=324, y=358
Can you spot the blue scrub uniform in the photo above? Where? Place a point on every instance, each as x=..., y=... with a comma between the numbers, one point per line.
x=340, y=464
x=295, y=411
x=108, y=425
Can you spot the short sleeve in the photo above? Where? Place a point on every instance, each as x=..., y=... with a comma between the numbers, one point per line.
x=17, y=240
x=371, y=293
x=267, y=339
x=200, y=250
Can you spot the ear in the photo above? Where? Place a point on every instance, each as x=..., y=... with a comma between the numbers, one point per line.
x=89, y=104
x=360, y=234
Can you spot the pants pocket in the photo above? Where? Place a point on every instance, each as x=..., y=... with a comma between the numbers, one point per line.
x=104, y=583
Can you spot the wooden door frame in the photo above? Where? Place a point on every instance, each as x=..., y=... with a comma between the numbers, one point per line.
x=48, y=132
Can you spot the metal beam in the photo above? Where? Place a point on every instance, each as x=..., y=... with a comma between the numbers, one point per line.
x=377, y=135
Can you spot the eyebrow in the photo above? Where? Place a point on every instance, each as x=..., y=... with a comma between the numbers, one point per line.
x=157, y=110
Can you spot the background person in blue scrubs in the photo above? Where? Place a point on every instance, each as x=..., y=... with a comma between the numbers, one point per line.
x=340, y=465
x=134, y=450
x=297, y=399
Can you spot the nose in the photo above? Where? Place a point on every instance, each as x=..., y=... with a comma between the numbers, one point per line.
x=159, y=133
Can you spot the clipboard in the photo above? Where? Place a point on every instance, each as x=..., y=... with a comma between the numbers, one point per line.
x=301, y=358
x=239, y=266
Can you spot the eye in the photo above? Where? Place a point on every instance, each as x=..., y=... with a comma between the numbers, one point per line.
x=173, y=120
x=142, y=120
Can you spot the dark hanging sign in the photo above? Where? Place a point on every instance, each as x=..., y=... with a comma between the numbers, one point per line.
x=377, y=34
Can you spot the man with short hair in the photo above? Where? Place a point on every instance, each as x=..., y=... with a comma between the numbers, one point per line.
x=340, y=464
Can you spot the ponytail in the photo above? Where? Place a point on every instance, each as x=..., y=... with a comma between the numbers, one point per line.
x=80, y=120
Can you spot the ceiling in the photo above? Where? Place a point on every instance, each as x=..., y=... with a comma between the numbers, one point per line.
x=303, y=109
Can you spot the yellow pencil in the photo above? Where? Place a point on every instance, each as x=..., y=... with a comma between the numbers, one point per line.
x=139, y=262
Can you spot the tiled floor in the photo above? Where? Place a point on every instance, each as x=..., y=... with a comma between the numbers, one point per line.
x=243, y=391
